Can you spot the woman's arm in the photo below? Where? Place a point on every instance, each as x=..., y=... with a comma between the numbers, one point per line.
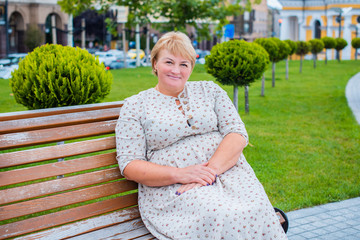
x=154, y=175
x=228, y=153
x=225, y=157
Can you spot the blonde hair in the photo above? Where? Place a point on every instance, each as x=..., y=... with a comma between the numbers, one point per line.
x=176, y=43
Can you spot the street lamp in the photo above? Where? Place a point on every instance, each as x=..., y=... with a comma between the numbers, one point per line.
x=342, y=12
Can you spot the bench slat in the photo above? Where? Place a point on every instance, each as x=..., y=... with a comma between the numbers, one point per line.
x=63, y=184
x=84, y=226
x=129, y=230
x=146, y=237
x=53, y=152
x=58, y=110
x=66, y=216
x=22, y=125
x=64, y=199
x=35, y=137
x=56, y=169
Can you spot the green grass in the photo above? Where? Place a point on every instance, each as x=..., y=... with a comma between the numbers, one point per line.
x=304, y=139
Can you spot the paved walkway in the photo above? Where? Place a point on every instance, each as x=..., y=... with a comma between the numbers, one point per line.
x=333, y=221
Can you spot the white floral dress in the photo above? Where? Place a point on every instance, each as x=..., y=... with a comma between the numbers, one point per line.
x=151, y=127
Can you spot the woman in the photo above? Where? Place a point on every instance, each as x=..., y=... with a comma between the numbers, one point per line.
x=182, y=142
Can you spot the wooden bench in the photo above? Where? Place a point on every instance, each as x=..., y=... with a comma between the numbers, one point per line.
x=59, y=176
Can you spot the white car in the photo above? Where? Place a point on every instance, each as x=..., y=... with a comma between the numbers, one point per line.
x=107, y=57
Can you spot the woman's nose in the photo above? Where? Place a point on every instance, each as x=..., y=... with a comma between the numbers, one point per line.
x=176, y=69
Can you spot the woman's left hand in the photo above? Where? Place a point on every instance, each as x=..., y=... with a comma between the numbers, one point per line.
x=187, y=187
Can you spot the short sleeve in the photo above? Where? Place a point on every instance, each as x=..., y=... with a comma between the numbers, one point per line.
x=130, y=137
x=229, y=120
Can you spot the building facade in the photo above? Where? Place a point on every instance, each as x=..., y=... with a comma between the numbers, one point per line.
x=308, y=19
x=46, y=14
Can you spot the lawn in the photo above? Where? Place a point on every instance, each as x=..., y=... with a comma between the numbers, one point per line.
x=304, y=139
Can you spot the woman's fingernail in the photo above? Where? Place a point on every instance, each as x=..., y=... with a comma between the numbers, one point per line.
x=207, y=184
x=177, y=193
x=213, y=183
x=216, y=175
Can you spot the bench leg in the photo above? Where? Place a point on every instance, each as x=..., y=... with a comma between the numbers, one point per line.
x=284, y=221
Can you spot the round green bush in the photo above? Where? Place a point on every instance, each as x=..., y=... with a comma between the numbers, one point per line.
x=329, y=42
x=56, y=75
x=237, y=62
x=340, y=44
x=292, y=46
x=284, y=49
x=316, y=46
x=302, y=48
x=270, y=46
x=355, y=43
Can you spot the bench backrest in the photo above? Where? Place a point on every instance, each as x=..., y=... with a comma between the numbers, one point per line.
x=58, y=166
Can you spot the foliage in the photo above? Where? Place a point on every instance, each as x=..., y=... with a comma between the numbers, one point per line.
x=237, y=62
x=178, y=14
x=316, y=46
x=54, y=76
x=270, y=46
x=284, y=49
x=302, y=48
x=292, y=46
x=340, y=44
x=355, y=43
x=329, y=42
x=34, y=37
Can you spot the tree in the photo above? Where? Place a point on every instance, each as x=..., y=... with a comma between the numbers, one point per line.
x=293, y=48
x=340, y=45
x=302, y=49
x=56, y=75
x=355, y=43
x=316, y=46
x=272, y=49
x=329, y=43
x=237, y=63
x=34, y=37
x=283, y=53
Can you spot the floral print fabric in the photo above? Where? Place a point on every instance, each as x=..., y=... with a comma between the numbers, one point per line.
x=151, y=127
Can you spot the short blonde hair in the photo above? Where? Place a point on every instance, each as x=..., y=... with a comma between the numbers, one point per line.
x=176, y=43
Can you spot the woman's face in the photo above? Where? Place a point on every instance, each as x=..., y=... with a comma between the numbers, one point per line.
x=173, y=71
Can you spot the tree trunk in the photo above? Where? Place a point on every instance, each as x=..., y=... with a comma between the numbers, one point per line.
x=247, y=99
x=147, y=51
x=314, y=59
x=236, y=97
x=300, y=63
x=287, y=69
x=338, y=55
x=137, y=44
x=326, y=57
x=263, y=85
x=356, y=54
x=124, y=44
x=273, y=74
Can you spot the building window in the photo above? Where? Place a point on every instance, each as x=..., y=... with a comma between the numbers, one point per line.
x=317, y=29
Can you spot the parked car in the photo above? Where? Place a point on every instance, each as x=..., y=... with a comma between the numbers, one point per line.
x=108, y=57
x=5, y=71
x=119, y=63
x=132, y=53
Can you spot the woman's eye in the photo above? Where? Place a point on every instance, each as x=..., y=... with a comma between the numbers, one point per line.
x=168, y=62
x=184, y=65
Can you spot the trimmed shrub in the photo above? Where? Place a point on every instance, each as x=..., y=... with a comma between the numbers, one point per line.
x=34, y=37
x=292, y=46
x=329, y=43
x=355, y=43
x=237, y=63
x=284, y=49
x=340, y=45
x=316, y=46
x=302, y=49
x=56, y=75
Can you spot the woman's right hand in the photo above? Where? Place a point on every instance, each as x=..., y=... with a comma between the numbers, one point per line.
x=199, y=173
